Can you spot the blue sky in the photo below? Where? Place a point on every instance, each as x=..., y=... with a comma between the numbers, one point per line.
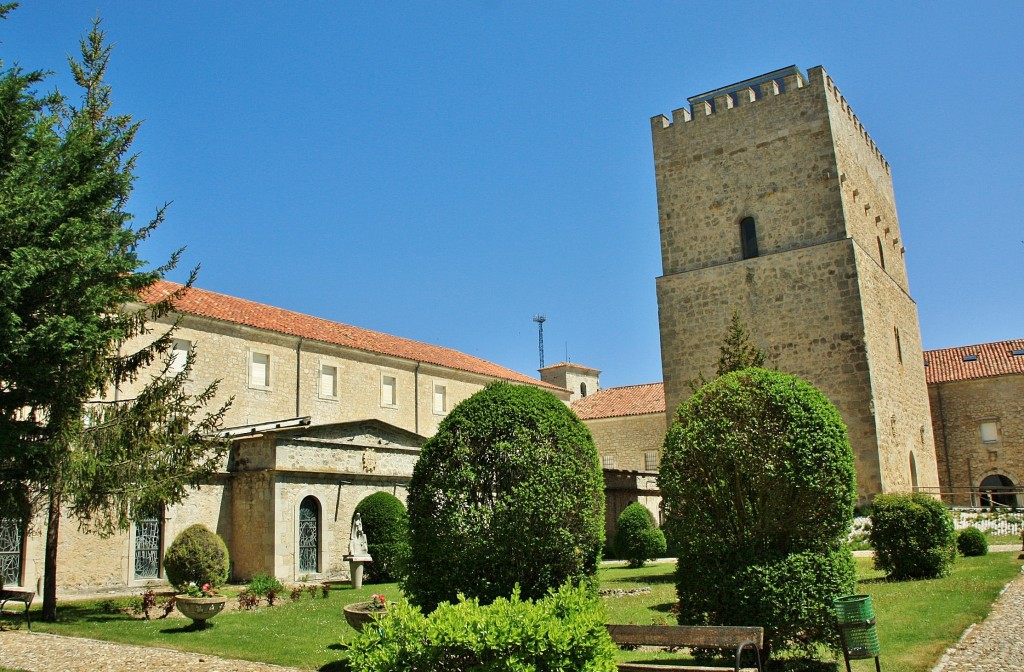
x=445, y=170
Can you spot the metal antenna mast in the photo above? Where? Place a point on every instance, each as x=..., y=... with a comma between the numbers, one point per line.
x=539, y=319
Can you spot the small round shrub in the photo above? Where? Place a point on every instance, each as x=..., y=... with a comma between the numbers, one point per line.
x=386, y=525
x=198, y=555
x=758, y=486
x=637, y=540
x=972, y=542
x=913, y=536
x=508, y=492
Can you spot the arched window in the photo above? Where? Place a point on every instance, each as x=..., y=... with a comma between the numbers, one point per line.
x=10, y=551
x=148, y=544
x=583, y=389
x=309, y=535
x=913, y=472
x=748, y=237
x=998, y=490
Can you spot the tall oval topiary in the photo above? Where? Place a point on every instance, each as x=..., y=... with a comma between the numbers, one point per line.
x=198, y=555
x=913, y=536
x=386, y=525
x=509, y=491
x=758, y=485
x=637, y=539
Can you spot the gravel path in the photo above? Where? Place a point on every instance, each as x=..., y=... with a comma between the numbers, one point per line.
x=997, y=643
x=38, y=652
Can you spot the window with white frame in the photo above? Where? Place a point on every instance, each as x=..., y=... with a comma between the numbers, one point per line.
x=650, y=460
x=259, y=369
x=328, y=381
x=179, y=355
x=440, y=398
x=148, y=544
x=989, y=431
x=388, y=391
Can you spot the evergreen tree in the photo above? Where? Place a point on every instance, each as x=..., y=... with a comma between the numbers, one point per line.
x=71, y=285
x=737, y=353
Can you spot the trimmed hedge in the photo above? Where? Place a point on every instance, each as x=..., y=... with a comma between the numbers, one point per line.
x=564, y=631
x=637, y=539
x=913, y=536
x=971, y=542
x=198, y=555
x=758, y=485
x=508, y=492
x=386, y=525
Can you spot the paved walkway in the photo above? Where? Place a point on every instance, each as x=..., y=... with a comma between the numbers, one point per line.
x=995, y=645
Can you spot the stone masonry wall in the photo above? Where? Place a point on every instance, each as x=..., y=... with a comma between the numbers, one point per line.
x=958, y=409
x=802, y=308
x=626, y=439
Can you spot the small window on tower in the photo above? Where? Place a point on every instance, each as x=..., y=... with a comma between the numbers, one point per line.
x=748, y=238
x=989, y=432
x=583, y=389
x=881, y=254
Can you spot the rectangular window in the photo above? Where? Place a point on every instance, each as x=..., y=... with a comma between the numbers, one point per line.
x=607, y=462
x=259, y=369
x=179, y=356
x=899, y=345
x=989, y=432
x=147, y=547
x=651, y=460
x=388, y=391
x=328, y=381
x=440, y=399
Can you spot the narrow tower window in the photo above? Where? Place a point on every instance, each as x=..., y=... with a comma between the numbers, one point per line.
x=881, y=254
x=583, y=389
x=748, y=237
x=899, y=346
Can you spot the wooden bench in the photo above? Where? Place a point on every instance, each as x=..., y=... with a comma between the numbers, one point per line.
x=18, y=596
x=689, y=636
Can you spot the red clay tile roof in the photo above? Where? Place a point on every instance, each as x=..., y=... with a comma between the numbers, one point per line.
x=570, y=365
x=252, y=314
x=993, y=359
x=614, y=402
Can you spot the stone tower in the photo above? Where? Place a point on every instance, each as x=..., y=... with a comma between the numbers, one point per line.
x=773, y=201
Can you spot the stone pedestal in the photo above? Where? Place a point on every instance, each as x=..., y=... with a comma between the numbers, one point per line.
x=355, y=568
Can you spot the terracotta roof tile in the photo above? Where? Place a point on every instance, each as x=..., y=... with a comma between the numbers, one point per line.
x=616, y=402
x=992, y=359
x=240, y=311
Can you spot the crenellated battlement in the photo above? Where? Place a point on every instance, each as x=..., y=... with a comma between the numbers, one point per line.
x=711, y=104
x=833, y=90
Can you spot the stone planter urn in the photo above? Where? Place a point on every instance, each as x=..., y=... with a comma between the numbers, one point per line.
x=200, y=609
x=359, y=614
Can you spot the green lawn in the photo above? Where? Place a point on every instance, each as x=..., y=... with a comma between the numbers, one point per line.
x=917, y=620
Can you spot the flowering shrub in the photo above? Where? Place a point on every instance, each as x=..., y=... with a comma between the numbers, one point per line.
x=378, y=603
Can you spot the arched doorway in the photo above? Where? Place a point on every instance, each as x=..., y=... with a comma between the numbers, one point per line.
x=999, y=490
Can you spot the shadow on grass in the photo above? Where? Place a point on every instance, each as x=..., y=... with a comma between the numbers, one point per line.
x=336, y=666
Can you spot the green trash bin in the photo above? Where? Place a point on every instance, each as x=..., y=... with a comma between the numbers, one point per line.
x=856, y=619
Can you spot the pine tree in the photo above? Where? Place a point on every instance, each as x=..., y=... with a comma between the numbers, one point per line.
x=71, y=283
x=736, y=353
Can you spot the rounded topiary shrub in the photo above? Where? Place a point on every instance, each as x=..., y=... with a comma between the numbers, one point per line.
x=637, y=540
x=509, y=491
x=386, y=525
x=971, y=542
x=758, y=487
x=913, y=536
x=198, y=555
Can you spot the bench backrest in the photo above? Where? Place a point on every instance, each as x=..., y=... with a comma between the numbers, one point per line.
x=724, y=636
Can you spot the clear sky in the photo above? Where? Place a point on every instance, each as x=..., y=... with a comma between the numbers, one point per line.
x=445, y=170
